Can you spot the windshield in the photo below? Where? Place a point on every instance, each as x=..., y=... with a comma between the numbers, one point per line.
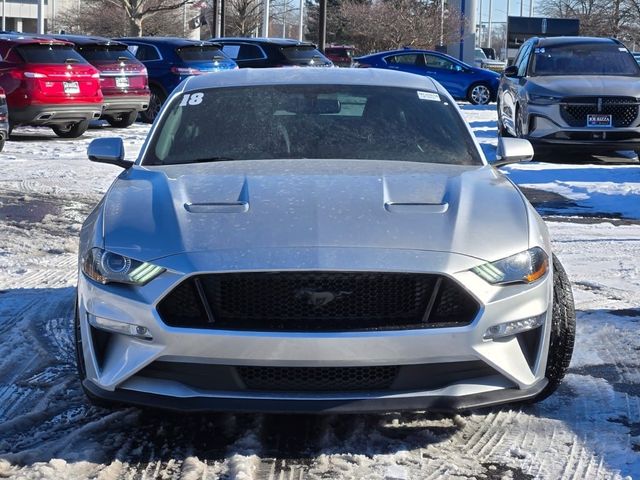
x=584, y=59
x=43, y=53
x=311, y=122
x=205, y=53
x=480, y=54
x=96, y=53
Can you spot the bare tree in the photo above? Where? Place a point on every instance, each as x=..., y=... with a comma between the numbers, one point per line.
x=384, y=25
x=243, y=17
x=94, y=19
x=139, y=11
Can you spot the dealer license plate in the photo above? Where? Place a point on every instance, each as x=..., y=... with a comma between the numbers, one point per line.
x=122, y=82
x=71, y=87
x=599, y=120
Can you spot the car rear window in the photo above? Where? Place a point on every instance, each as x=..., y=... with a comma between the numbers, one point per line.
x=311, y=122
x=584, y=59
x=303, y=53
x=98, y=53
x=43, y=53
x=205, y=53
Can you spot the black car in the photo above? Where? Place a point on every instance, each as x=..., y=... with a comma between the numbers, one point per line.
x=272, y=52
x=4, y=119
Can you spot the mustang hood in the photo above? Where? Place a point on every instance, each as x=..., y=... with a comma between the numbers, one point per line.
x=159, y=211
x=585, y=85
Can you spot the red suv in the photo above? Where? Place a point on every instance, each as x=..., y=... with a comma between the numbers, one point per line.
x=48, y=83
x=123, y=78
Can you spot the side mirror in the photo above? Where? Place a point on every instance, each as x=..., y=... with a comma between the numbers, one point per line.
x=108, y=150
x=513, y=150
x=511, y=71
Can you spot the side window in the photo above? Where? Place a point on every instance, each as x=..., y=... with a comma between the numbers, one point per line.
x=404, y=59
x=144, y=53
x=13, y=57
x=435, y=61
x=250, y=52
x=524, y=60
x=231, y=50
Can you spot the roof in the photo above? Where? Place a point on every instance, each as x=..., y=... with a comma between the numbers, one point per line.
x=284, y=42
x=405, y=50
x=87, y=40
x=312, y=76
x=553, y=41
x=172, y=41
x=25, y=39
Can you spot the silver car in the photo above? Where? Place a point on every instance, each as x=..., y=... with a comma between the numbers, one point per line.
x=317, y=240
x=576, y=93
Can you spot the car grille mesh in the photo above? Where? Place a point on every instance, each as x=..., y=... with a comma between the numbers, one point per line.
x=317, y=301
x=318, y=378
x=623, y=110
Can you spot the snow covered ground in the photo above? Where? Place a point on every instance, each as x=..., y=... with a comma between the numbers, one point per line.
x=589, y=429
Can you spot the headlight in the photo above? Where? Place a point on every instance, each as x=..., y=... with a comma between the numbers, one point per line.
x=524, y=267
x=105, y=267
x=543, y=99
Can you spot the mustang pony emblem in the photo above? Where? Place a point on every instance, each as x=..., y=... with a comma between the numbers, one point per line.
x=319, y=298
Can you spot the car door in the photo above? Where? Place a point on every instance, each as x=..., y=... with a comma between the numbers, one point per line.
x=151, y=58
x=511, y=88
x=450, y=74
x=410, y=62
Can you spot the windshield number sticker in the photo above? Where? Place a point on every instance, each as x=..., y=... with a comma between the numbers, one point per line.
x=192, y=99
x=434, y=97
x=539, y=50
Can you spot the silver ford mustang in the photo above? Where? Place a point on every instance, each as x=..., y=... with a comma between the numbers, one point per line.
x=317, y=240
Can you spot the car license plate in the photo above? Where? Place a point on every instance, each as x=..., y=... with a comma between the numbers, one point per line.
x=122, y=82
x=598, y=120
x=71, y=87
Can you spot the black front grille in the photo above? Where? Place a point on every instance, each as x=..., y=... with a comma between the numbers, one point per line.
x=623, y=110
x=394, y=378
x=317, y=301
x=324, y=379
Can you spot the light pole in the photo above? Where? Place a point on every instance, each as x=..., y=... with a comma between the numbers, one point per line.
x=480, y=23
x=301, y=25
x=265, y=18
x=489, y=27
x=441, y=22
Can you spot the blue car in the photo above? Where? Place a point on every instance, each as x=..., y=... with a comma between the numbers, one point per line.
x=462, y=81
x=169, y=60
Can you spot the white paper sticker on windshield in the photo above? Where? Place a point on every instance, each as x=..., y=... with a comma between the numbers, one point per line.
x=434, y=97
x=622, y=49
x=539, y=50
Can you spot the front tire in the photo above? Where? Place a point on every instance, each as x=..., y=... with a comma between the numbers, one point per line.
x=73, y=130
x=563, y=331
x=479, y=94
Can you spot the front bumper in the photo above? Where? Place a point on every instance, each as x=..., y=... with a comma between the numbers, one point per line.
x=116, y=370
x=432, y=401
x=547, y=129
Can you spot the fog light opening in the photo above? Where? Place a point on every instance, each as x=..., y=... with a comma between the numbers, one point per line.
x=509, y=329
x=123, y=328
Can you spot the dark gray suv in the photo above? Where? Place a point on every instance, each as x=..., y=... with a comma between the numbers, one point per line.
x=573, y=92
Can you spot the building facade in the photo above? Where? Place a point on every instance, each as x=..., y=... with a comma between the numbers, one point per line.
x=22, y=15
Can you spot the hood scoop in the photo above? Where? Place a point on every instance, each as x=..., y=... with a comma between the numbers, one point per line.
x=226, y=199
x=415, y=194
